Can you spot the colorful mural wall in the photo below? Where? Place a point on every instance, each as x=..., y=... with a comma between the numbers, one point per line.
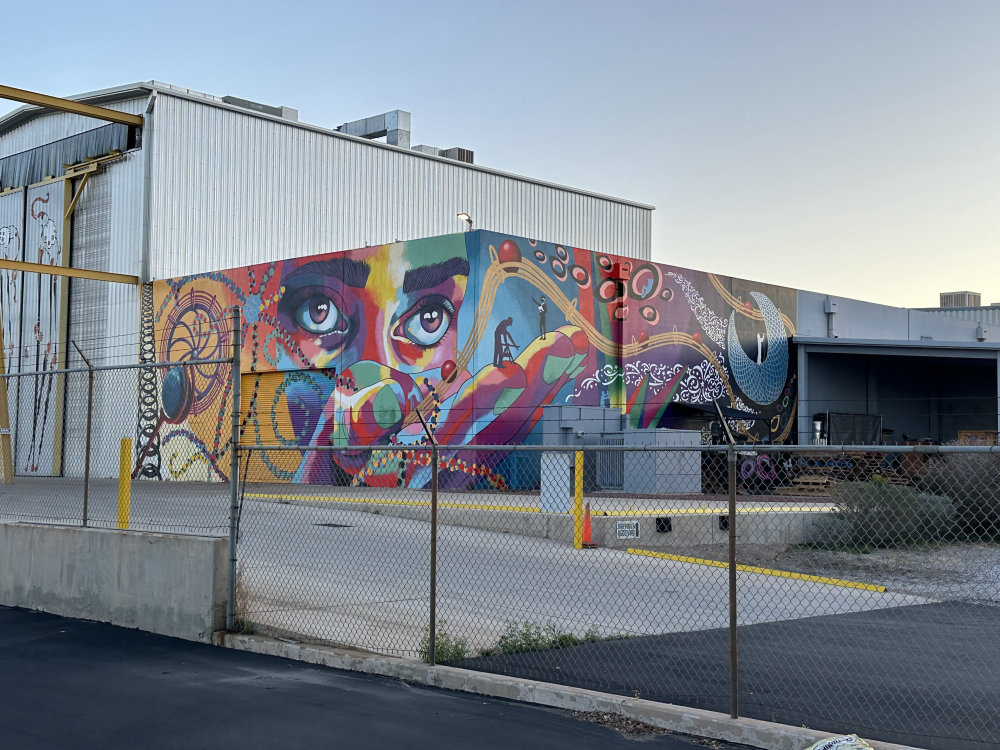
x=478, y=331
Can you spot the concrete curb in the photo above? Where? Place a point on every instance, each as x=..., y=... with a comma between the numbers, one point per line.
x=692, y=721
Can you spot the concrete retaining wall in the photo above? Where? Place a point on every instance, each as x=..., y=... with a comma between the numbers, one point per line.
x=171, y=584
x=772, y=528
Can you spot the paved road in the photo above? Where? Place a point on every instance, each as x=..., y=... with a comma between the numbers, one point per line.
x=327, y=571
x=74, y=684
x=926, y=675
x=360, y=578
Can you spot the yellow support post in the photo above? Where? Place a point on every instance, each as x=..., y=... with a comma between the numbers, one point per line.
x=6, y=457
x=124, y=482
x=578, y=500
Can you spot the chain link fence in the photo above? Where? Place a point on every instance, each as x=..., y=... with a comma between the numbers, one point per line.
x=864, y=597
x=850, y=589
x=96, y=447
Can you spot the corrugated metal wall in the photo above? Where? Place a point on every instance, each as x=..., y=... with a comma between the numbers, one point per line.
x=231, y=189
x=103, y=317
x=988, y=316
x=51, y=126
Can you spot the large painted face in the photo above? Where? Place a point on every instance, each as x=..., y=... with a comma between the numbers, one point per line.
x=364, y=348
x=394, y=304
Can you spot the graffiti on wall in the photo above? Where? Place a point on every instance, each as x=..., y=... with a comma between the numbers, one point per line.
x=11, y=248
x=33, y=323
x=477, y=332
x=40, y=400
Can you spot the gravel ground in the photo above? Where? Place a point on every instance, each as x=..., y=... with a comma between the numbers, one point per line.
x=967, y=572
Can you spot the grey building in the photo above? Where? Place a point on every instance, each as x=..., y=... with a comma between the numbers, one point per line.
x=921, y=374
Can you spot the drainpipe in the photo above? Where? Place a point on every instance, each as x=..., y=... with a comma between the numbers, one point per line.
x=145, y=269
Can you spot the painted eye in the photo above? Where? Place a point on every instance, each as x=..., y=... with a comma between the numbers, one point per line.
x=429, y=323
x=319, y=314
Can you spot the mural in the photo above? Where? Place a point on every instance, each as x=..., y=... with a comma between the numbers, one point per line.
x=33, y=322
x=11, y=248
x=477, y=331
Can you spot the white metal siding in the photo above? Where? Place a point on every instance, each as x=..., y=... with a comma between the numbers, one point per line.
x=231, y=189
x=87, y=311
x=53, y=126
x=988, y=316
x=104, y=317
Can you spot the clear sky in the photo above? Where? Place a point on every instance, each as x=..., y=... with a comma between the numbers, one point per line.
x=848, y=146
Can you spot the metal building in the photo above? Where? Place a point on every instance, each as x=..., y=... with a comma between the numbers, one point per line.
x=210, y=182
x=193, y=183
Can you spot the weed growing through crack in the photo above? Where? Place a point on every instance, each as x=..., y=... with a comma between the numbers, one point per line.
x=447, y=648
x=531, y=636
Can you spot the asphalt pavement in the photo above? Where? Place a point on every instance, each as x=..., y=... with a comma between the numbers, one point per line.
x=75, y=684
x=924, y=675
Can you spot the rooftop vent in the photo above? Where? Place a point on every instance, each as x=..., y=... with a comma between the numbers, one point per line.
x=458, y=154
x=960, y=299
x=394, y=126
x=285, y=113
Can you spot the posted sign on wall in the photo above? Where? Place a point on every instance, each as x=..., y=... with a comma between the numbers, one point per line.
x=628, y=529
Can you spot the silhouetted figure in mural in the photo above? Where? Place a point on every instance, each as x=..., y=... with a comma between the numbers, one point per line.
x=542, y=307
x=502, y=342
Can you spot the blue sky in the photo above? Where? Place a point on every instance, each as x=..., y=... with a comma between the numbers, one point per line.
x=849, y=147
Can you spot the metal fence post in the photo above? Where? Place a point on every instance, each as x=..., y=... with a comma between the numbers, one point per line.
x=234, y=471
x=432, y=635
x=733, y=653
x=90, y=423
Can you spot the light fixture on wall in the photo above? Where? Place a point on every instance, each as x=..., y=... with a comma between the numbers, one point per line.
x=467, y=219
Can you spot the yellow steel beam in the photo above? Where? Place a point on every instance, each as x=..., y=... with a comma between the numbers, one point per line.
x=91, y=163
x=67, y=105
x=77, y=194
x=76, y=273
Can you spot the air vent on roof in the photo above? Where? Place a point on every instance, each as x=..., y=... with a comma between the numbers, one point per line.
x=286, y=113
x=458, y=154
x=394, y=126
x=960, y=299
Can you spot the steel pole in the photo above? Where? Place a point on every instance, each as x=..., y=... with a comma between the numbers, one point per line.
x=432, y=633
x=733, y=652
x=234, y=472
x=90, y=424
x=86, y=465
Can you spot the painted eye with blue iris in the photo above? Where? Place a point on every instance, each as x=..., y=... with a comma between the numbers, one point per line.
x=427, y=322
x=320, y=314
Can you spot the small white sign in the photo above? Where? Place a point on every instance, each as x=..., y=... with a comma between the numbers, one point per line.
x=628, y=529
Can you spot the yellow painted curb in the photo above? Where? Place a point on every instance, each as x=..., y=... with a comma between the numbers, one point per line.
x=375, y=501
x=720, y=511
x=761, y=571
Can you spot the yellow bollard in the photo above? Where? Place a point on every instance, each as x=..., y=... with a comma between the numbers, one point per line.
x=124, y=482
x=578, y=500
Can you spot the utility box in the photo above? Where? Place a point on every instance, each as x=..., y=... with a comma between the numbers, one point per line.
x=662, y=472
x=578, y=425
x=558, y=470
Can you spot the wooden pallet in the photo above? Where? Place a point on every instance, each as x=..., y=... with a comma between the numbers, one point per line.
x=807, y=484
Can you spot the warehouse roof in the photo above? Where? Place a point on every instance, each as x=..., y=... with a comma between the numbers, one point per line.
x=25, y=113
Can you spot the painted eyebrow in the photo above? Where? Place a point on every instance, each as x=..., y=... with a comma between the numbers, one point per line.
x=426, y=277
x=351, y=272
